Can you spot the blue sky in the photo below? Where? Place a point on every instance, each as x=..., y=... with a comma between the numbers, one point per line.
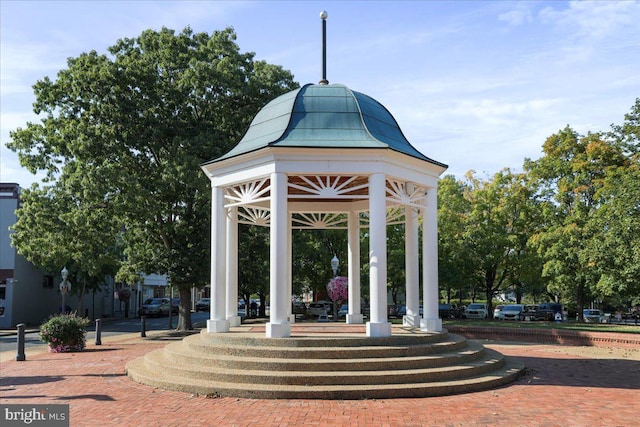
x=474, y=84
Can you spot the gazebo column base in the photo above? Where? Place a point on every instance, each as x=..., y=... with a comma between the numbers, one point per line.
x=378, y=329
x=234, y=321
x=217, y=325
x=278, y=330
x=355, y=319
x=431, y=325
x=411, y=320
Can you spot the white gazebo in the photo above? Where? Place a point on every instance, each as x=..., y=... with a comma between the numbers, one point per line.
x=324, y=156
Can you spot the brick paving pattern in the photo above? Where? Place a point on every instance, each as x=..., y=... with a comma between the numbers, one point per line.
x=559, y=389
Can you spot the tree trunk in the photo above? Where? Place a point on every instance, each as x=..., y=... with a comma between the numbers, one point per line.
x=262, y=310
x=83, y=290
x=184, y=308
x=580, y=298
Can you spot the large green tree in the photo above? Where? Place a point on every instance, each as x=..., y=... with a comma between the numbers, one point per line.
x=454, y=269
x=130, y=129
x=568, y=177
x=498, y=228
x=57, y=227
x=484, y=228
x=313, y=250
x=616, y=253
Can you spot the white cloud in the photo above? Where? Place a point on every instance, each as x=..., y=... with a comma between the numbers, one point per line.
x=518, y=16
x=593, y=19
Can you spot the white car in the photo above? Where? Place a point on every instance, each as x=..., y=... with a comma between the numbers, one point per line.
x=512, y=312
x=476, y=311
x=497, y=312
x=319, y=308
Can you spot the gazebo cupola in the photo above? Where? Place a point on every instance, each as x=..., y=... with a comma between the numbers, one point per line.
x=324, y=156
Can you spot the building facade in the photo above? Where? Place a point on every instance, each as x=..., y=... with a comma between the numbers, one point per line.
x=27, y=294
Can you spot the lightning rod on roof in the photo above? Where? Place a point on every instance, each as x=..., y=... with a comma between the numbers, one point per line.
x=323, y=17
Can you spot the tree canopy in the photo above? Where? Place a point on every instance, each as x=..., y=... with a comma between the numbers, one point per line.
x=568, y=227
x=128, y=131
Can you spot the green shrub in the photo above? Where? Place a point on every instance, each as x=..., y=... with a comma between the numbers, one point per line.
x=65, y=332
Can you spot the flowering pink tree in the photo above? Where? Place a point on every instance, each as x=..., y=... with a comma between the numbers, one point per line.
x=338, y=291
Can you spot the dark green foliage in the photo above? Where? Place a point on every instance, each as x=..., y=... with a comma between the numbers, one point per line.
x=129, y=130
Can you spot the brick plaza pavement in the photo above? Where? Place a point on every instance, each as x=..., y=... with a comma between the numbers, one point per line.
x=560, y=388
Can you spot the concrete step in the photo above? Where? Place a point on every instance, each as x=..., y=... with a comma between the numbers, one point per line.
x=324, y=364
x=423, y=357
x=324, y=349
x=509, y=372
x=157, y=361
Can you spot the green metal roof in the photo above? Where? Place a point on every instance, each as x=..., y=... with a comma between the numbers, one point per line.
x=328, y=116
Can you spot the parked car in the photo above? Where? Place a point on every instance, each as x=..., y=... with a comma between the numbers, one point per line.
x=155, y=307
x=402, y=311
x=476, y=311
x=298, y=307
x=366, y=311
x=497, y=312
x=550, y=311
x=343, y=311
x=448, y=311
x=513, y=312
x=204, y=304
x=319, y=308
x=394, y=310
x=591, y=315
x=242, y=312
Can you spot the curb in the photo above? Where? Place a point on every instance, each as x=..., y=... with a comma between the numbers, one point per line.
x=550, y=336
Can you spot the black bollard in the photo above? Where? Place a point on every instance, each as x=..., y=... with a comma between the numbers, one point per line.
x=20, y=354
x=143, y=326
x=98, y=331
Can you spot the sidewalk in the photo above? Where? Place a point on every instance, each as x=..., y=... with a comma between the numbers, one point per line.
x=563, y=386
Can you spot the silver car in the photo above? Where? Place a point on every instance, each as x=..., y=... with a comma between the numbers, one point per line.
x=155, y=307
x=476, y=311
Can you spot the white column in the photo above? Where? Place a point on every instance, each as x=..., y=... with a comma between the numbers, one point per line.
x=430, y=321
x=378, y=326
x=355, y=313
x=218, y=321
x=290, y=315
x=278, y=326
x=411, y=254
x=232, y=267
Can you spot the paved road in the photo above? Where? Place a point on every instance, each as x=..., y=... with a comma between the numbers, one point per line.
x=560, y=388
x=110, y=327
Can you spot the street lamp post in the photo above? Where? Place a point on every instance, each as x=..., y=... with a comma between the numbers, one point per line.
x=334, y=265
x=65, y=286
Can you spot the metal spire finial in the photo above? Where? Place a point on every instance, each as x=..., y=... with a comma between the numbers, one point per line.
x=323, y=16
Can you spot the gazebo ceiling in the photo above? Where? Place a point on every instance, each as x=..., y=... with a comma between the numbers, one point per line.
x=325, y=116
